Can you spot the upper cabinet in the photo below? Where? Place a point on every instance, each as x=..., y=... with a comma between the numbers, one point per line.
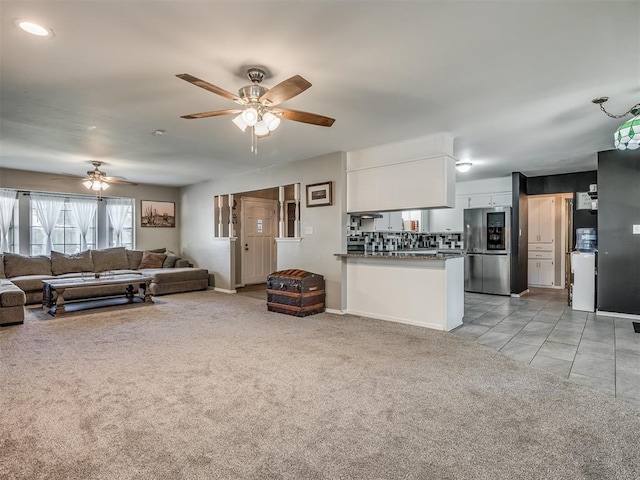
x=389, y=222
x=541, y=219
x=449, y=219
x=414, y=174
x=490, y=200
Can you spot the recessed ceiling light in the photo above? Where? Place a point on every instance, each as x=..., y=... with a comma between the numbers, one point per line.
x=91, y=128
x=157, y=133
x=34, y=28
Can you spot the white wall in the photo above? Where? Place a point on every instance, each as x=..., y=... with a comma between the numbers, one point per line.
x=316, y=249
x=146, y=238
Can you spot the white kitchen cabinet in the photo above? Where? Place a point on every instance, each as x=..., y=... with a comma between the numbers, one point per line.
x=541, y=272
x=541, y=266
x=389, y=222
x=449, y=219
x=490, y=200
x=541, y=219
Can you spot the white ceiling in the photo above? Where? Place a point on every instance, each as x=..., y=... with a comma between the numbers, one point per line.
x=511, y=80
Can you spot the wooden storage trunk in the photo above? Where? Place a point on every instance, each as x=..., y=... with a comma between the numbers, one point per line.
x=295, y=292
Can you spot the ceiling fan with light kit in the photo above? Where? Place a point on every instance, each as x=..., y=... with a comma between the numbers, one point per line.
x=97, y=180
x=259, y=110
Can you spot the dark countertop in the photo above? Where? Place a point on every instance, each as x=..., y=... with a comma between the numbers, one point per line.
x=404, y=255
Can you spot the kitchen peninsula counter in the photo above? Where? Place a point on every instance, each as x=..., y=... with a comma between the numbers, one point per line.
x=416, y=288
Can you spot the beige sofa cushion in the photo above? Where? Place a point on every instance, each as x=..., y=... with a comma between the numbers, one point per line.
x=152, y=260
x=78, y=262
x=31, y=283
x=19, y=265
x=110, y=259
x=10, y=295
x=170, y=275
x=135, y=257
x=2, y=266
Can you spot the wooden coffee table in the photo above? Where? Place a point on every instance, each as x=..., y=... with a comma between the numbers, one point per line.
x=99, y=299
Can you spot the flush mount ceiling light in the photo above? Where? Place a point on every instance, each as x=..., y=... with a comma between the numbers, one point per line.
x=34, y=28
x=258, y=110
x=463, y=166
x=627, y=135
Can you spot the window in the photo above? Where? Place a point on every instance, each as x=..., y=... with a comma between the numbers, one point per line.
x=78, y=215
x=126, y=235
x=8, y=220
x=66, y=235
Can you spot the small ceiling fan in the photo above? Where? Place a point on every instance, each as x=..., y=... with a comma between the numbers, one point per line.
x=259, y=104
x=97, y=180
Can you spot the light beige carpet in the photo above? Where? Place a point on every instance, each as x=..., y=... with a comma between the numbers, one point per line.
x=212, y=386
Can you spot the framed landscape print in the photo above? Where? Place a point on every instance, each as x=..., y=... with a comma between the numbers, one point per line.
x=158, y=214
x=319, y=194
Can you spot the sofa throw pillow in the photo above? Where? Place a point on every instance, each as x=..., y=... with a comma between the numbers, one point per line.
x=110, y=259
x=157, y=250
x=18, y=265
x=170, y=260
x=135, y=257
x=152, y=260
x=77, y=262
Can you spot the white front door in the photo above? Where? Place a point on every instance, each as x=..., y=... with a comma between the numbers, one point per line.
x=259, y=226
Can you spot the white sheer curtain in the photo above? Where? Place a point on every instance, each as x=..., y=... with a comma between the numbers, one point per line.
x=7, y=202
x=48, y=210
x=83, y=211
x=117, y=209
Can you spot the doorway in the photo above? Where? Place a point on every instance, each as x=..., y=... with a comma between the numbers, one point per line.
x=259, y=225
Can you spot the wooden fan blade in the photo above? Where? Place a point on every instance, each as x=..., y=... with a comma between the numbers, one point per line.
x=210, y=87
x=118, y=180
x=304, y=117
x=285, y=90
x=214, y=113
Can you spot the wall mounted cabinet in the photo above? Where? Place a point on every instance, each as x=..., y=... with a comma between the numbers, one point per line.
x=490, y=200
x=449, y=219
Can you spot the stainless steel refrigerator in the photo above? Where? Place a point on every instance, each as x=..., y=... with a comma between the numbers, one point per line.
x=487, y=243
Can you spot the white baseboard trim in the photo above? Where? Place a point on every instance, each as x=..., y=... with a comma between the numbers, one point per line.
x=334, y=311
x=389, y=318
x=518, y=295
x=630, y=316
x=224, y=290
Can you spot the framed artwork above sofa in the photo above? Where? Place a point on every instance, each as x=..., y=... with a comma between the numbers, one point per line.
x=157, y=214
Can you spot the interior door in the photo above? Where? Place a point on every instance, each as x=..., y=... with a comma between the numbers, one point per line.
x=259, y=225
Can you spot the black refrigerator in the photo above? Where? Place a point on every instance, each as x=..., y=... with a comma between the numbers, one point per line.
x=487, y=263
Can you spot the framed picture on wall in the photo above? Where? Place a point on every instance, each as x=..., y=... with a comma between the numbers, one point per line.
x=158, y=214
x=319, y=194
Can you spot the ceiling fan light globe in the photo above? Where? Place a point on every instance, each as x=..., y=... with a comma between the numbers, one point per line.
x=88, y=184
x=240, y=123
x=271, y=121
x=95, y=186
x=261, y=128
x=104, y=185
x=250, y=116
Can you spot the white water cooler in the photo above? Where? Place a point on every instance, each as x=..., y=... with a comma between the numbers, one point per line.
x=583, y=269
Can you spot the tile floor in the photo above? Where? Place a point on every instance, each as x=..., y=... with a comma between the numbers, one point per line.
x=541, y=330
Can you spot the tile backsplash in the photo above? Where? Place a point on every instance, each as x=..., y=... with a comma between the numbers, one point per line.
x=391, y=241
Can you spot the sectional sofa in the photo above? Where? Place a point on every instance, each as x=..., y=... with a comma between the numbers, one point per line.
x=21, y=276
